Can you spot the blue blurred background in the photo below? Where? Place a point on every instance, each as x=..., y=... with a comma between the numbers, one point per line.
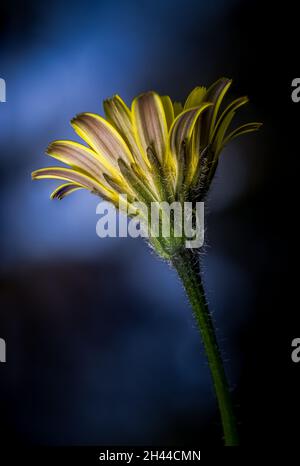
x=101, y=343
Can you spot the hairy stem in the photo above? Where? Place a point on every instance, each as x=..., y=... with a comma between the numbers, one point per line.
x=188, y=270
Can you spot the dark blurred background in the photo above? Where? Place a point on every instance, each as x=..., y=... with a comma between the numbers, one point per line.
x=101, y=343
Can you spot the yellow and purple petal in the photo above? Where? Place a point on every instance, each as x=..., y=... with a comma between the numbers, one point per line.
x=64, y=190
x=102, y=137
x=119, y=115
x=74, y=177
x=183, y=126
x=150, y=124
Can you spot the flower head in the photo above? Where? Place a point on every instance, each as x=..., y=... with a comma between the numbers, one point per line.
x=155, y=151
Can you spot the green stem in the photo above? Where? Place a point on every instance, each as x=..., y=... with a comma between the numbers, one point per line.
x=187, y=267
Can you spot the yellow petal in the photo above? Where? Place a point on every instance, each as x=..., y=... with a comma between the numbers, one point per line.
x=217, y=142
x=168, y=108
x=64, y=190
x=119, y=115
x=150, y=124
x=78, y=156
x=195, y=98
x=73, y=176
x=102, y=137
x=247, y=128
x=183, y=126
x=178, y=108
x=225, y=119
x=215, y=94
